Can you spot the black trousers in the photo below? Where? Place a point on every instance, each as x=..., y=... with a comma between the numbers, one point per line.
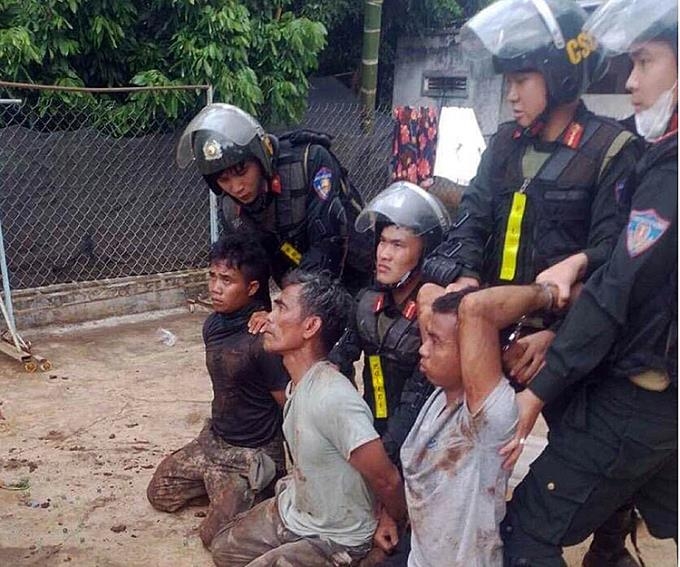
x=614, y=443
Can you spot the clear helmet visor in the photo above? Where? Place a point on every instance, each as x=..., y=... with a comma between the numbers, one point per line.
x=510, y=29
x=507, y=28
x=619, y=24
x=406, y=205
x=228, y=125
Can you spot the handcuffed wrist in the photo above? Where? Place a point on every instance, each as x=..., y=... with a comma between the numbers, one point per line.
x=547, y=291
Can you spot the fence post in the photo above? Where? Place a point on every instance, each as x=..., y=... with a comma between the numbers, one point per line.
x=5, y=284
x=6, y=290
x=214, y=228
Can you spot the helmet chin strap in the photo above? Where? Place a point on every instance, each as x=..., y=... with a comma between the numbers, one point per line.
x=403, y=280
x=538, y=124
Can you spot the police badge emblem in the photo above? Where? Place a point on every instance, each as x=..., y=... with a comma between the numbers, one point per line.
x=644, y=229
x=212, y=150
x=322, y=182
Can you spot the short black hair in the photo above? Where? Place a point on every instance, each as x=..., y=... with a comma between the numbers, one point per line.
x=324, y=296
x=448, y=303
x=244, y=253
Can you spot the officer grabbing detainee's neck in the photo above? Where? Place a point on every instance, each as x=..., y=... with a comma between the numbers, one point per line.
x=324, y=510
x=455, y=485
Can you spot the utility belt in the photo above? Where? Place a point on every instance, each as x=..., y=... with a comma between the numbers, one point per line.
x=651, y=380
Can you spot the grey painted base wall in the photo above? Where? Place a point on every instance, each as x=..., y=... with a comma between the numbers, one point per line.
x=65, y=304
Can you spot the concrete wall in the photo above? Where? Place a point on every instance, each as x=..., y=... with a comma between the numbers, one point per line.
x=441, y=52
x=64, y=304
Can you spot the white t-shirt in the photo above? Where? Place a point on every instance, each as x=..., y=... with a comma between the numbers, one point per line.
x=325, y=419
x=455, y=486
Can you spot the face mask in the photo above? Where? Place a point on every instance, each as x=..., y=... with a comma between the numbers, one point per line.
x=652, y=122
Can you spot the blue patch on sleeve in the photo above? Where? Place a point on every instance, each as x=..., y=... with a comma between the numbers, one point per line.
x=323, y=181
x=644, y=229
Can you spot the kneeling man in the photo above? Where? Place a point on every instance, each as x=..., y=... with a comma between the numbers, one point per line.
x=239, y=453
x=324, y=512
x=455, y=483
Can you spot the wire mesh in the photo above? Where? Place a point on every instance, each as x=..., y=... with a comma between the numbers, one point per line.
x=79, y=203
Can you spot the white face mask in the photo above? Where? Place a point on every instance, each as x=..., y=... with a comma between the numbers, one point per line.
x=652, y=122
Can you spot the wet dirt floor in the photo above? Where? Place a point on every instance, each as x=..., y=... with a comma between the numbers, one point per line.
x=79, y=444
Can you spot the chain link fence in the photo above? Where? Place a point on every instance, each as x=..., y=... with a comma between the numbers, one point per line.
x=79, y=202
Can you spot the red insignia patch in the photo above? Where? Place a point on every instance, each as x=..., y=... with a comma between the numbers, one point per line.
x=410, y=310
x=572, y=136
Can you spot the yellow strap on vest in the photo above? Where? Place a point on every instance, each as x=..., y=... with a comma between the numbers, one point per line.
x=513, y=233
x=292, y=253
x=378, y=386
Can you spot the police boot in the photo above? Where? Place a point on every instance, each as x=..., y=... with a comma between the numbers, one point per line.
x=608, y=548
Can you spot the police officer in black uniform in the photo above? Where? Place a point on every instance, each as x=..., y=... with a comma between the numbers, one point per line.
x=408, y=222
x=290, y=191
x=617, y=349
x=546, y=185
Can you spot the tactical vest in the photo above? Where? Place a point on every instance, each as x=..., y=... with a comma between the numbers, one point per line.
x=290, y=205
x=284, y=223
x=540, y=221
x=389, y=357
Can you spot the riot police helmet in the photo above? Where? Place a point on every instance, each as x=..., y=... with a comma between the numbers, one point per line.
x=543, y=36
x=221, y=136
x=619, y=24
x=406, y=205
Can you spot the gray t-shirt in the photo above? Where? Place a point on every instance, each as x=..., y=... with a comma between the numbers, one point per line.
x=455, y=486
x=325, y=419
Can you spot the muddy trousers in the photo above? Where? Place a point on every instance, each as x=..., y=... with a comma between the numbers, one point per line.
x=210, y=467
x=615, y=443
x=258, y=538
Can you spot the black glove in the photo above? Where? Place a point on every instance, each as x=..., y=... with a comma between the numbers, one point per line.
x=441, y=270
x=345, y=352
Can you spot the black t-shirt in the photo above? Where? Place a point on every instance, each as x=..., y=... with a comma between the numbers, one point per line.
x=244, y=413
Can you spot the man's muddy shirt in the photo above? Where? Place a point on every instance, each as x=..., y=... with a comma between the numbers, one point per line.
x=325, y=420
x=455, y=486
x=244, y=413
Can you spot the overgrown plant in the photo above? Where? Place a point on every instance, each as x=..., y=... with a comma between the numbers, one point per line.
x=256, y=54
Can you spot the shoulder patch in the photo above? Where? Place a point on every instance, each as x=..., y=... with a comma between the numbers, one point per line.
x=322, y=182
x=644, y=229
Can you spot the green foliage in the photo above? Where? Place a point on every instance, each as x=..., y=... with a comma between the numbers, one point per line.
x=255, y=53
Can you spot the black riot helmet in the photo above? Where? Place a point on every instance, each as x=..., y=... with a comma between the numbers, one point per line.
x=221, y=136
x=545, y=36
x=619, y=24
x=406, y=205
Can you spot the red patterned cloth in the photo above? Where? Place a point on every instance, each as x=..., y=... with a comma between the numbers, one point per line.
x=415, y=144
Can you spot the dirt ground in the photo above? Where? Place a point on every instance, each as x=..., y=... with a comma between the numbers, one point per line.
x=85, y=437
